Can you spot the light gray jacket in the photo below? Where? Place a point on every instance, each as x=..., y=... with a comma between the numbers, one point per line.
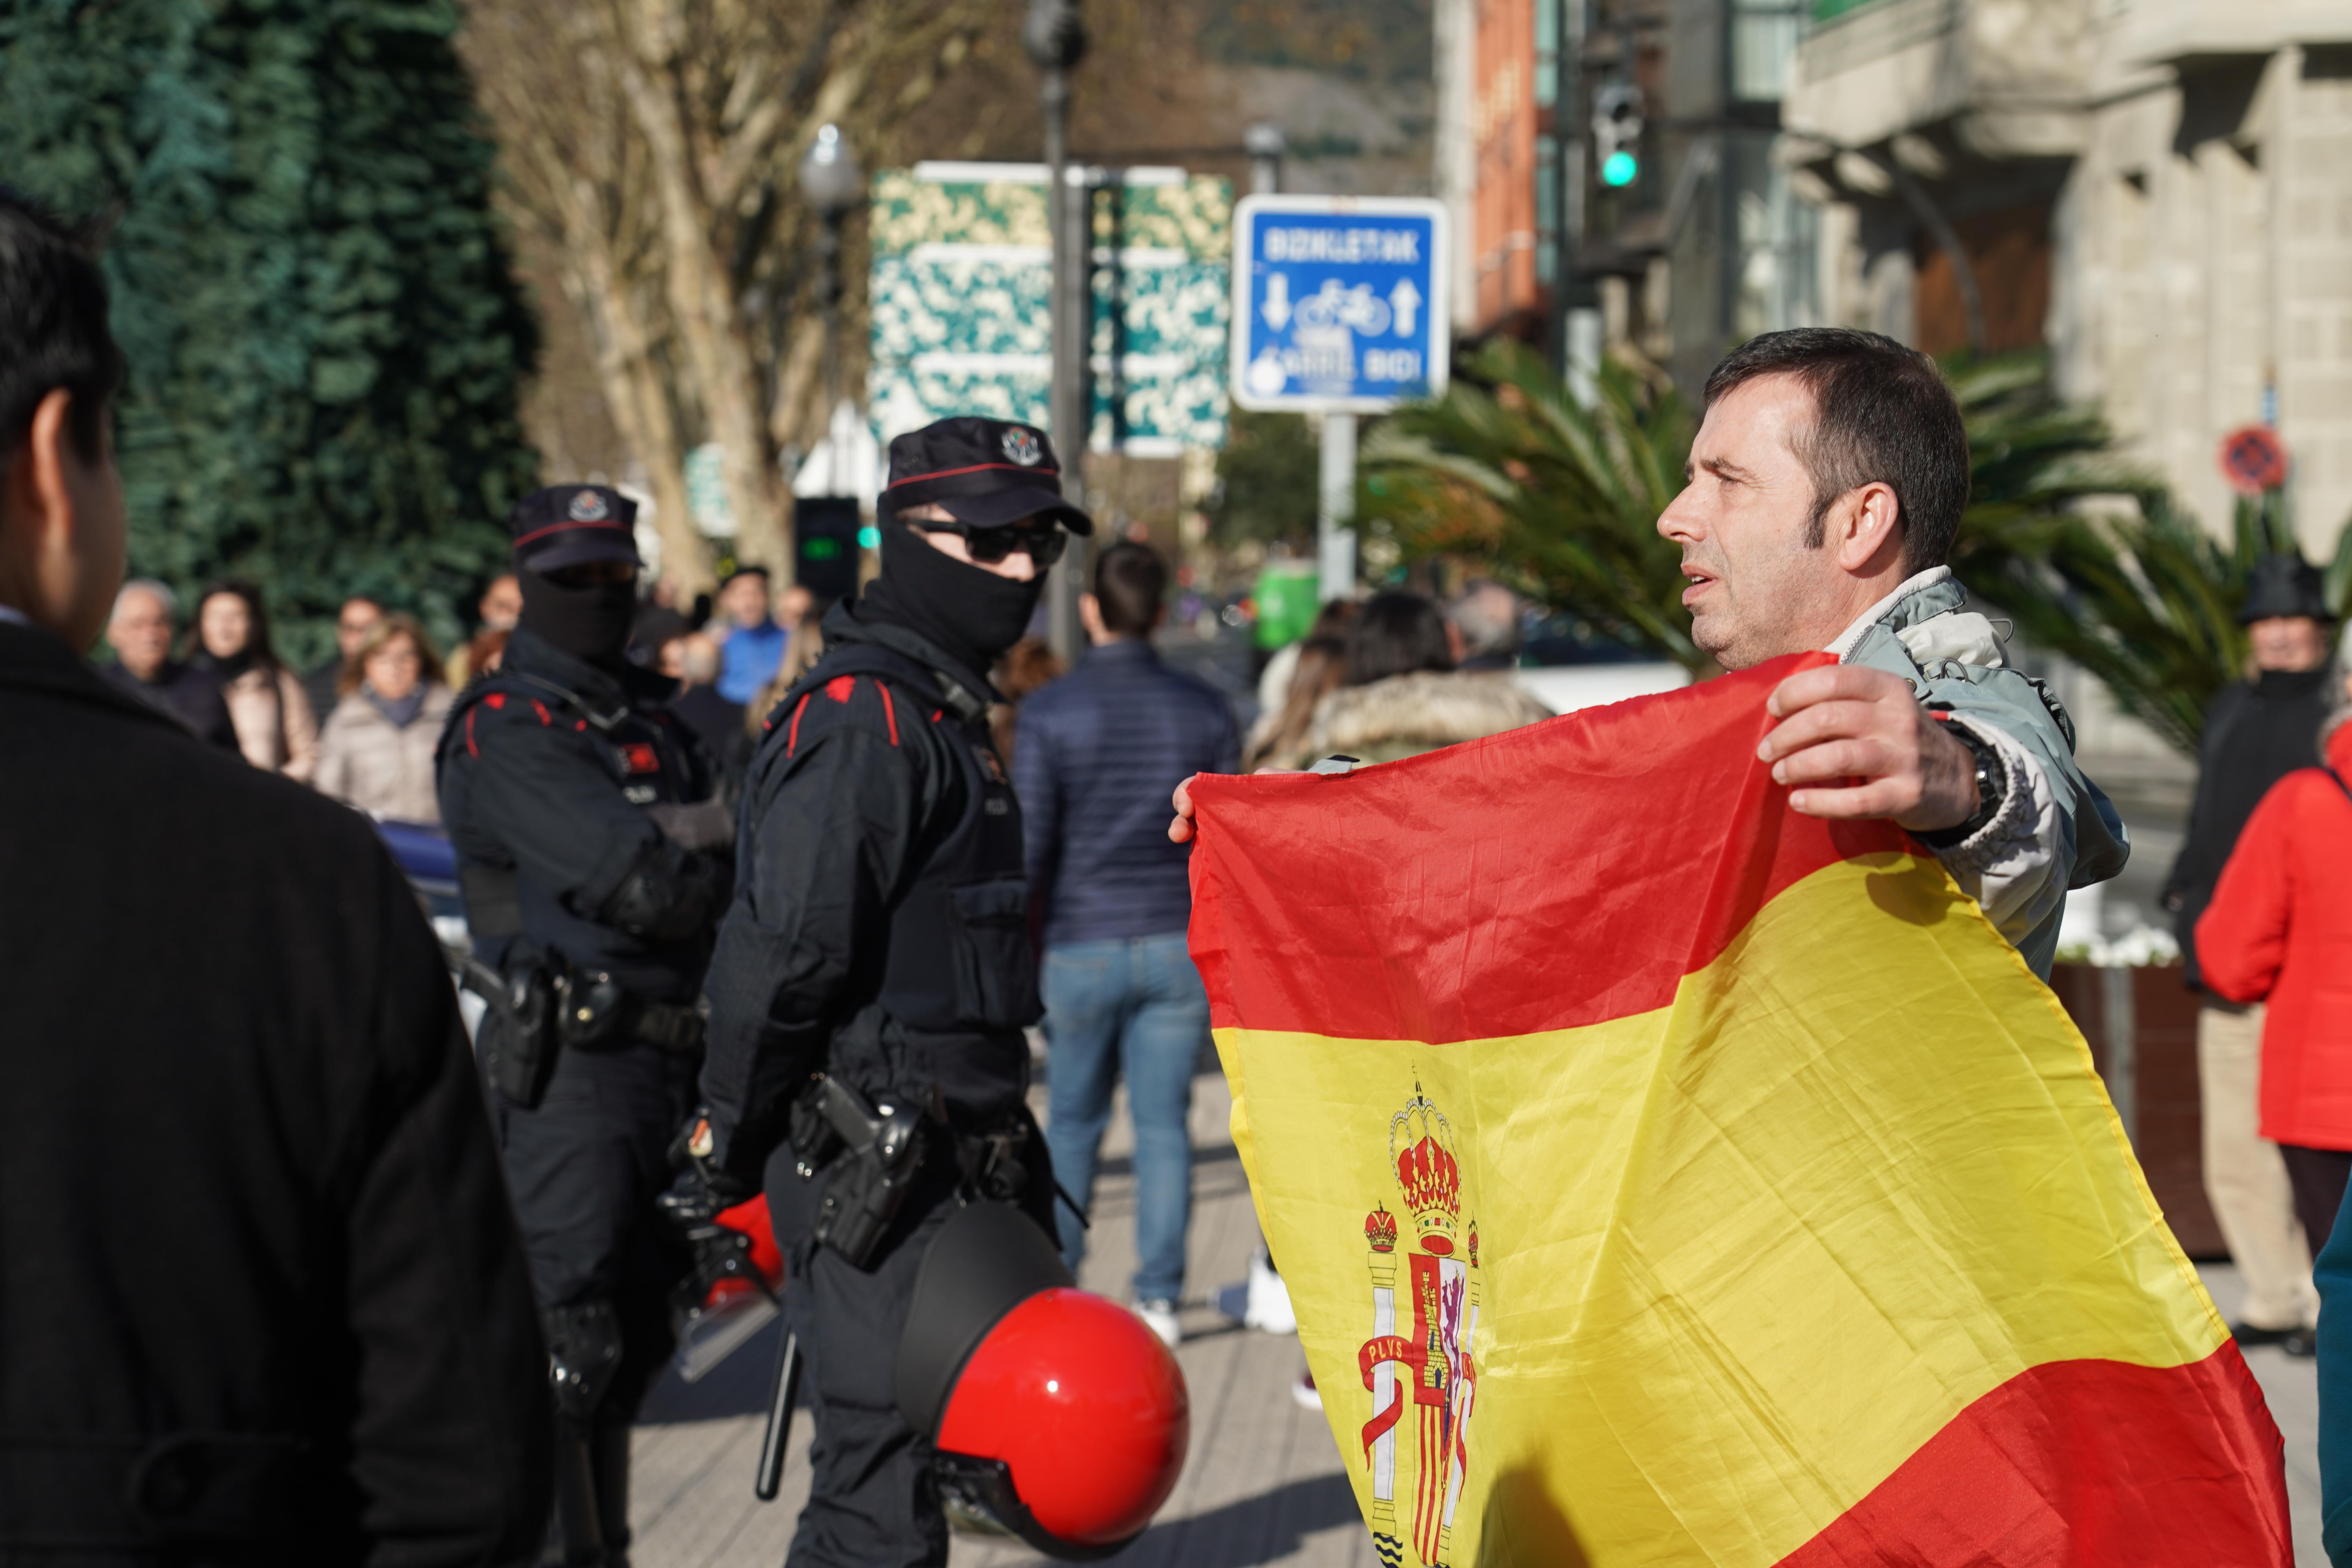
x=2054, y=829
x=384, y=769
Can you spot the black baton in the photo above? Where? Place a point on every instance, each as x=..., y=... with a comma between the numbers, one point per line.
x=782, y=1398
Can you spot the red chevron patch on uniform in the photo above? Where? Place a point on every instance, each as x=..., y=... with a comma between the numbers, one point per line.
x=840, y=686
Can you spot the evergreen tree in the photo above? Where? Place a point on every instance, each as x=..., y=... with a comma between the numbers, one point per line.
x=325, y=339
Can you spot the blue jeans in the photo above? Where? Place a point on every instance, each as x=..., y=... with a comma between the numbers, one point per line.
x=1134, y=1006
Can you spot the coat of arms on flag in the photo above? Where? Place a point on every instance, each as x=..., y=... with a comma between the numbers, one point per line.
x=1663, y=1177
x=1427, y=1370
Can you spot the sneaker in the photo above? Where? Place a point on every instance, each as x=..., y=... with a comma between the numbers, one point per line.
x=1269, y=1310
x=1303, y=1393
x=1160, y=1317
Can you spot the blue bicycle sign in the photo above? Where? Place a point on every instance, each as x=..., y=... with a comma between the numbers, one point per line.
x=1339, y=302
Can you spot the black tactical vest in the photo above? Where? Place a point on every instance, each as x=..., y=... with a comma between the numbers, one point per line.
x=650, y=760
x=948, y=1001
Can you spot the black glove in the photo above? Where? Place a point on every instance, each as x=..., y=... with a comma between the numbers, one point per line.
x=670, y=894
x=692, y=1155
x=691, y=1206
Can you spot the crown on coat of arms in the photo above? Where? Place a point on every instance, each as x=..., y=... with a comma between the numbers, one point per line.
x=1380, y=1230
x=1420, y=1147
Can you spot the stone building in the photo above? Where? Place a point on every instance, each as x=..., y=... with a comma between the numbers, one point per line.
x=2160, y=191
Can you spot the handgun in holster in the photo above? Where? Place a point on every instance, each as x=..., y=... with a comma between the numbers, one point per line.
x=518, y=1055
x=880, y=1150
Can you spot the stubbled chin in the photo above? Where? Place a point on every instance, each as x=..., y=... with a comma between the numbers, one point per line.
x=1714, y=639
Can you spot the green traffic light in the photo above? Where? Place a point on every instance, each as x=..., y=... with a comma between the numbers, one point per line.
x=869, y=537
x=1620, y=168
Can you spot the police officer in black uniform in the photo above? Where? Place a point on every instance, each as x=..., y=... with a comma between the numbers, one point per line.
x=880, y=937
x=594, y=869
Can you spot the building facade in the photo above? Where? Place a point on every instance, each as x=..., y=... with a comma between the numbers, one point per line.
x=2158, y=190
x=1689, y=239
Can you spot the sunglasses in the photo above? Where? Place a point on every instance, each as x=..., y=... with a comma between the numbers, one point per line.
x=990, y=545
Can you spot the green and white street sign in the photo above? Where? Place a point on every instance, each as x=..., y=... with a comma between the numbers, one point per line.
x=962, y=282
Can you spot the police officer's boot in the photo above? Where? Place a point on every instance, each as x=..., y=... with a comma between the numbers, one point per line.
x=583, y=1353
x=578, y=1541
x=609, y=1462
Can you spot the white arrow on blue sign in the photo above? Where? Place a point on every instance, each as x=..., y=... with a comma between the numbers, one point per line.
x=1339, y=302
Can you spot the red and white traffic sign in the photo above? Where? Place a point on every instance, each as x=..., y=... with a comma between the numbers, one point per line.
x=2254, y=459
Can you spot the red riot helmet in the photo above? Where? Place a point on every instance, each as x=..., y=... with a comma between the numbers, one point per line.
x=1055, y=1416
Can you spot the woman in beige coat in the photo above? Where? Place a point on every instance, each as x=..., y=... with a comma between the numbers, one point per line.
x=275, y=727
x=1403, y=695
x=377, y=751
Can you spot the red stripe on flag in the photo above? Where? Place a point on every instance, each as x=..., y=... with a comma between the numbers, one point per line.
x=2084, y=1462
x=1560, y=875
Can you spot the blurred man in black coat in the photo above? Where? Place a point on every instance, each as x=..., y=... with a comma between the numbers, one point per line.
x=263, y=1300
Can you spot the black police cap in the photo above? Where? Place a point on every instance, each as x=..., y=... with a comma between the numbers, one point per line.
x=570, y=525
x=984, y=472
x=2283, y=585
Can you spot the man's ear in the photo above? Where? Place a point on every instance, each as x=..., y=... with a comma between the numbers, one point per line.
x=37, y=504
x=1866, y=528
x=1090, y=614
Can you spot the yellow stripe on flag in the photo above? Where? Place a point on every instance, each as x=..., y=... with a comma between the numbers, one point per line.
x=1722, y=1266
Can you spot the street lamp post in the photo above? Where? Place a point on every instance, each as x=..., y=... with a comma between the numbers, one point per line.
x=1265, y=143
x=1055, y=39
x=833, y=185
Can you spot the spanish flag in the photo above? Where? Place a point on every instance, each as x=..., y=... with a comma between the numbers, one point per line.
x=1664, y=1177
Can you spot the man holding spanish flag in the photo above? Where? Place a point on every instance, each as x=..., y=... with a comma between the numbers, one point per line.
x=1669, y=1146
x=1824, y=492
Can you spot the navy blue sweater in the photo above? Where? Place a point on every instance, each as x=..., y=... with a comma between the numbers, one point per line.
x=1096, y=757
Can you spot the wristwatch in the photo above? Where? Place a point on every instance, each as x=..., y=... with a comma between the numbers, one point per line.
x=1992, y=787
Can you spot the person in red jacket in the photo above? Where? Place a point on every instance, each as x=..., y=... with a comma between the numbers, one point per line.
x=2280, y=929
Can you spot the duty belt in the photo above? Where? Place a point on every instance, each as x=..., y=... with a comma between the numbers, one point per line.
x=674, y=1027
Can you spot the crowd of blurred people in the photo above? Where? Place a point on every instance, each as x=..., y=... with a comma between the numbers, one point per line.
x=361, y=724
x=1376, y=679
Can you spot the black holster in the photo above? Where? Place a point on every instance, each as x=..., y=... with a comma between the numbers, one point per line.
x=519, y=1037
x=876, y=1155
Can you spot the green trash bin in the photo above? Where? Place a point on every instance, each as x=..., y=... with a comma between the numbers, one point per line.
x=1288, y=596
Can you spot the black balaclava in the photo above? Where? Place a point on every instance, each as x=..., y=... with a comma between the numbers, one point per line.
x=972, y=615
x=590, y=622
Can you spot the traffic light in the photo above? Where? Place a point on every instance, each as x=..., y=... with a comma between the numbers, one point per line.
x=826, y=530
x=1617, y=133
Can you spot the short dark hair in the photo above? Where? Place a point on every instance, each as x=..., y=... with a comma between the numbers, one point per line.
x=759, y=571
x=1131, y=580
x=53, y=331
x=1882, y=414
x=1396, y=634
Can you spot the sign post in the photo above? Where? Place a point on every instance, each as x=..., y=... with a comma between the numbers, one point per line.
x=1338, y=310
